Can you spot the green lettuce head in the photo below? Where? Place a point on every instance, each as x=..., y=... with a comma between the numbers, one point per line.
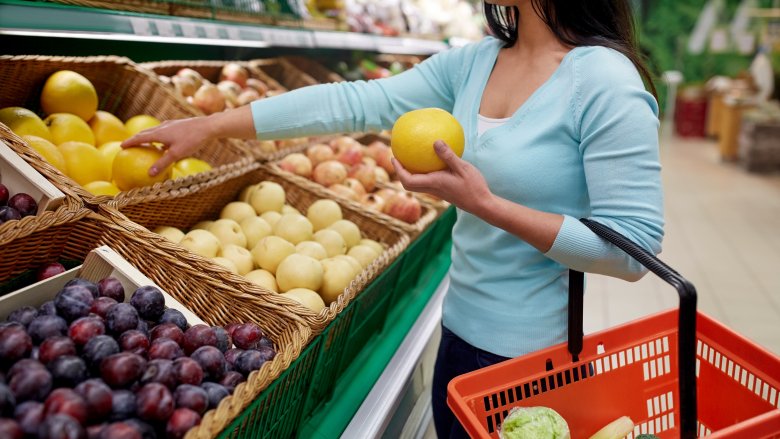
x=534, y=423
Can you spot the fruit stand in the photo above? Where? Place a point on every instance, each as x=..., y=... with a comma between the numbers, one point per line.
x=344, y=347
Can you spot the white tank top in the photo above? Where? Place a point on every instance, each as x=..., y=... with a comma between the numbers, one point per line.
x=486, y=123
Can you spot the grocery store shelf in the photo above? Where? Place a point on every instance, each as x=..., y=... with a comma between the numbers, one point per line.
x=33, y=19
x=380, y=404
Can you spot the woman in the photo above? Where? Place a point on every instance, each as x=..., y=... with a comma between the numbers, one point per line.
x=558, y=126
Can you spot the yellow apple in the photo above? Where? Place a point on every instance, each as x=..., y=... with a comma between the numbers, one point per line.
x=237, y=211
x=336, y=276
x=364, y=254
x=201, y=242
x=268, y=197
x=332, y=241
x=270, y=251
x=323, y=213
x=240, y=257
x=271, y=217
x=299, y=271
x=227, y=263
x=263, y=278
x=307, y=298
x=293, y=227
x=311, y=248
x=228, y=232
x=170, y=233
x=255, y=229
x=348, y=230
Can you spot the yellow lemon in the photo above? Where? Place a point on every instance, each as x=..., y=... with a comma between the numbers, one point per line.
x=136, y=124
x=102, y=188
x=66, y=127
x=69, y=92
x=131, y=168
x=84, y=163
x=414, y=134
x=48, y=151
x=190, y=166
x=107, y=128
x=23, y=122
x=110, y=150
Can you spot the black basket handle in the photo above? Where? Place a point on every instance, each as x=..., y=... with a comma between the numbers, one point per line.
x=686, y=337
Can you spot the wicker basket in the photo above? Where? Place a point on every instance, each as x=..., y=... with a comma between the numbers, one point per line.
x=141, y=6
x=77, y=231
x=189, y=206
x=284, y=72
x=125, y=91
x=314, y=69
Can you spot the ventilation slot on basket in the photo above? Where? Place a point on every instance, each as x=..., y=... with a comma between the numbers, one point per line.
x=703, y=430
x=653, y=426
x=660, y=404
x=731, y=368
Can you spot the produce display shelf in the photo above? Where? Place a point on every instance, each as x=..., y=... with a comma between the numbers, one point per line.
x=358, y=380
x=39, y=19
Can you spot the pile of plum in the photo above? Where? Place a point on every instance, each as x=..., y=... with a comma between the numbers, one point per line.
x=88, y=365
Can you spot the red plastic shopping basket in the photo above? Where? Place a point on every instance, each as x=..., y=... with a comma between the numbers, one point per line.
x=653, y=370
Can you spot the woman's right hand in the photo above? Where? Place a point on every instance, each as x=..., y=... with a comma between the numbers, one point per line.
x=180, y=138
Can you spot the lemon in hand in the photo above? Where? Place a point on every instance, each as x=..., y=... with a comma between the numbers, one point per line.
x=190, y=166
x=414, y=134
x=131, y=168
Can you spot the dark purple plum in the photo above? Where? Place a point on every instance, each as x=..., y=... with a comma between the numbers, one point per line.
x=168, y=330
x=198, y=336
x=146, y=430
x=47, y=326
x=187, y=371
x=231, y=328
x=175, y=316
x=61, y=427
x=165, y=348
x=248, y=361
x=9, y=214
x=66, y=402
x=123, y=405
x=15, y=344
x=101, y=306
x=7, y=324
x=159, y=371
x=181, y=421
x=268, y=353
x=47, y=309
x=143, y=327
x=23, y=315
x=21, y=365
x=29, y=415
x=211, y=361
x=111, y=287
x=24, y=203
x=49, y=270
x=68, y=371
x=85, y=329
x=91, y=286
x=4, y=194
x=10, y=429
x=247, y=336
x=32, y=384
x=231, y=380
x=121, y=317
x=134, y=341
x=231, y=355
x=149, y=302
x=99, y=348
x=119, y=430
x=155, y=402
x=97, y=395
x=265, y=342
x=192, y=397
x=216, y=393
x=224, y=342
x=73, y=302
x=54, y=347
x=122, y=369
x=7, y=401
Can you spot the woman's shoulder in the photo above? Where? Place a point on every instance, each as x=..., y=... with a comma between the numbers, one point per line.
x=604, y=65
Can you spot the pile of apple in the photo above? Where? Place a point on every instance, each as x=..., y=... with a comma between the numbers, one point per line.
x=17, y=206
x=234, y=89
x=89, y=364
x=310, y=259
x=353, y=170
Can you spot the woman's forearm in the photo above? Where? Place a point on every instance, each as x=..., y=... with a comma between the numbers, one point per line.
x=532, y=226
x=236, y=123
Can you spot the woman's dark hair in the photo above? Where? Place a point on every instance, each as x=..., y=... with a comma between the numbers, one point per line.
x=607, y=23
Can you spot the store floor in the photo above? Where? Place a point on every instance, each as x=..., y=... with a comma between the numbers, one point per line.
x=722, y=234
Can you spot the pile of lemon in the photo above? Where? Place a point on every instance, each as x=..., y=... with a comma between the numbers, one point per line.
x=84, y=142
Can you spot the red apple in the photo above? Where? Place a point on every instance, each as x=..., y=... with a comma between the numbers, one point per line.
x=382, y=154
x=386, y=193
x=248, y=96
x=184, y=85
x=329, y=173
x=49, y=270
x=298, y=164
x=209, y=99
x=344, y=191
x=373, y=202
x=192, y=75
x=350, y=154
x=259, y=86
x=234, y=72
x=341, y=142
x=365, y=175
x=319, y=153
x=403, y=206
x=356, y=186
x=230, y=90
x=380, y=175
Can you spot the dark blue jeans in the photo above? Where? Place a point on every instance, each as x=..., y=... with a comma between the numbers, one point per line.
x=455, y=357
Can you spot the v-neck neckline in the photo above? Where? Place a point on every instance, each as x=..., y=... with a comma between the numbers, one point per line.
x=527, y=104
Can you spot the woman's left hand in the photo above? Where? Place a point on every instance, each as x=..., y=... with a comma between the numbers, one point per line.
x=460, y=184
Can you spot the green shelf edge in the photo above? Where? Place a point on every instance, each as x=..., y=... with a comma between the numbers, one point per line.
x=357, y=380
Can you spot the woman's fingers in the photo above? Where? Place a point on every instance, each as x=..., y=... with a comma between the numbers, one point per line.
x=447, y=155
x=166, y=160
x=144, y=137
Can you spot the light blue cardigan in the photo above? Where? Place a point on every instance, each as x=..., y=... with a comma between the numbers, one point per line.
x=585, y=144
